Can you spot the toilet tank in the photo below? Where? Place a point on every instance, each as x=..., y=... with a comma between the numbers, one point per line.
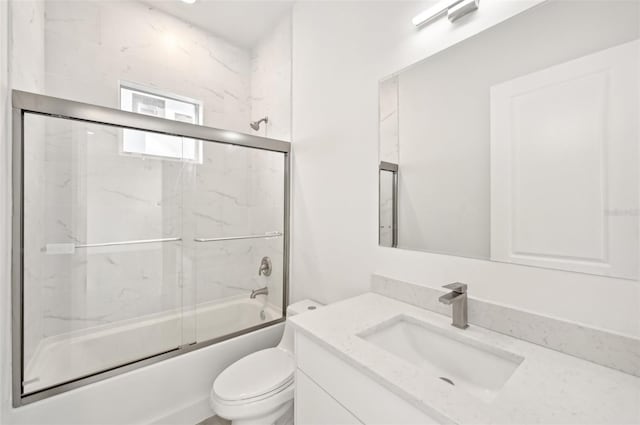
x=300, y=307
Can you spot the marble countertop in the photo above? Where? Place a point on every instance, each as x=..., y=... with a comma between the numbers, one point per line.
x=548, y=387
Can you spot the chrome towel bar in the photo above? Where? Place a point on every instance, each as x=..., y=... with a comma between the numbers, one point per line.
x=233, y=238
x=140, y=241
x=67, y=248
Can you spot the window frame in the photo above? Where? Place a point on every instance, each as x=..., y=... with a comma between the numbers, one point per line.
x=165, y=94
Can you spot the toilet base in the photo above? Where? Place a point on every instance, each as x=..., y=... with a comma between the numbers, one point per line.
x=283, y=415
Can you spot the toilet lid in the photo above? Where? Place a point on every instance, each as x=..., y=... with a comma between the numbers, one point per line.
x=254, y=375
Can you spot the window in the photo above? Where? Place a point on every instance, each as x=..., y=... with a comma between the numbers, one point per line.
x=150, y=101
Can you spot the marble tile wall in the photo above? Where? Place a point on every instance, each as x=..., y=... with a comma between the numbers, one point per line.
x=131, y=41
x=271, y=68
x=388, y=120
x=27, y=62
x=64, y=277
x=252, y=205
x=385, y=208
x=271, y=81
x=93, y=193
x=93, y=285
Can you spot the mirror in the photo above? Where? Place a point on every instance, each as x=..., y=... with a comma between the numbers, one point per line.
x=520, y=144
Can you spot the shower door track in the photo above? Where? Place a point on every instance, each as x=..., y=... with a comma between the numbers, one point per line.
x=25, y=102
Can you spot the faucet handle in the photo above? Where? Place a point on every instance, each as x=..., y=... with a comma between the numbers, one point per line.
x=458, y=287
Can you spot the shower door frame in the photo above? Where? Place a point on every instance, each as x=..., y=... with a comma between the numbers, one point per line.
x=25, y=102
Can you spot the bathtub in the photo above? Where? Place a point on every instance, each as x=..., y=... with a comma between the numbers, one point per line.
x=66, y=357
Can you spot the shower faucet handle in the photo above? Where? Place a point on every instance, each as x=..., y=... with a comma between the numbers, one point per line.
x=265, y=267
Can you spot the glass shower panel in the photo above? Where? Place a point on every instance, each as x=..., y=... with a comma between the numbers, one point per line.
x=102, y=250
x=236, y=216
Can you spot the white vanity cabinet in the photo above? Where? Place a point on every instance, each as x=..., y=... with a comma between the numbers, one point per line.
x=314, y=406
x=329, y=391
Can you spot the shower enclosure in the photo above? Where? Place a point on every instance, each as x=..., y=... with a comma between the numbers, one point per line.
x=124, y=257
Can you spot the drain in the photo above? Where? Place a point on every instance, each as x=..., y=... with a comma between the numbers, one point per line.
x=447, y=380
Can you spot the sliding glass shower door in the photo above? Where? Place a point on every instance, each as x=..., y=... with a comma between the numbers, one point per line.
x=102, y=251
x=236, y=214
x=135, y=243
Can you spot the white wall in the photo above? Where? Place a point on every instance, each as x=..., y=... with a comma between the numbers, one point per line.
x=5, y=215
x=335, y=132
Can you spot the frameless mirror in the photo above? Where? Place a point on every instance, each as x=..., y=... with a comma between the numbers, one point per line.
x=520, y=144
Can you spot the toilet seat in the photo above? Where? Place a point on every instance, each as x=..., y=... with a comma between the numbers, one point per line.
x=255, y=412
x=277, y=393
x=255, y=377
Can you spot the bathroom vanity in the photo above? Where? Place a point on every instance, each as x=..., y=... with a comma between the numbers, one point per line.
x=373, y=359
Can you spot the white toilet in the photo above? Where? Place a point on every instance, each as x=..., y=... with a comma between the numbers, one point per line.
x=258, y=389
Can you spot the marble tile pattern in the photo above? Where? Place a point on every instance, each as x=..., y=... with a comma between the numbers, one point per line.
x=27, y=63
x=90, y=46
x=271, y=81
x=83, y=189
x=548, y=387
x=609, y=349
x=238, y=191
x=385, y=208
x=100, y=195
x=94, y=194
x=389, y=120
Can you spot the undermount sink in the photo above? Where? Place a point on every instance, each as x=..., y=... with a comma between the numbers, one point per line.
x=477, y=368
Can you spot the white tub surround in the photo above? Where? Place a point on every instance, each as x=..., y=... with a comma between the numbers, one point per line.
x=546, y=386
x=606, y=348
x=175, y=391
x=87, y=351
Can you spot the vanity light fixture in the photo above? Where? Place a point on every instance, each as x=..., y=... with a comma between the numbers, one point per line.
x=189, y=1
x=454, y=9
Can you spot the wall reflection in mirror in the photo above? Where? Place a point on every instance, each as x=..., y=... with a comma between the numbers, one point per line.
x=520, y=144
x=388, y=213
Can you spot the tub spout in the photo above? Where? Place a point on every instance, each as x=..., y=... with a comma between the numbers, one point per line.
x=261, y=291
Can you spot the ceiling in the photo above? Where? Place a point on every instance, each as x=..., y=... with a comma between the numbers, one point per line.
x=241, y=22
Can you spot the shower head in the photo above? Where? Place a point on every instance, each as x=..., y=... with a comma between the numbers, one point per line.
x=256, y=124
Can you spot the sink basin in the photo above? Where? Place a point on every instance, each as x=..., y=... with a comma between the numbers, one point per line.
x=477, y=368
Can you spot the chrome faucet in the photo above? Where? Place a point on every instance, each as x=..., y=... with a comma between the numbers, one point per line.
x=265, y=267
x=261, y=291
x=458, y=299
